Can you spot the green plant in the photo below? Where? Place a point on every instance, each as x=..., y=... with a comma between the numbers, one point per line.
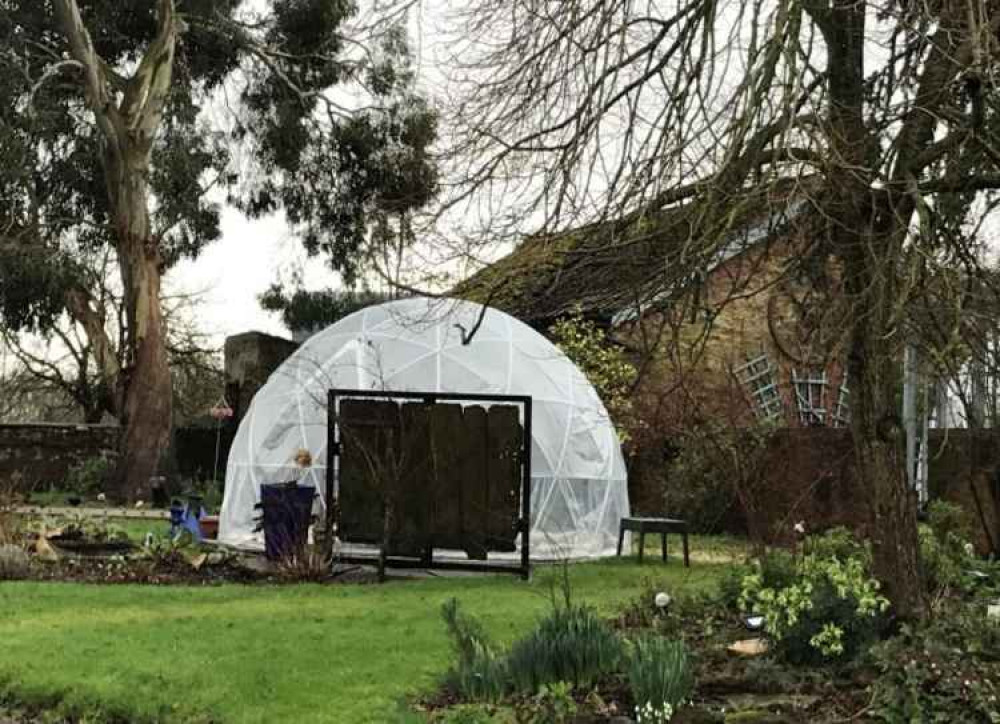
x=838, y=543
x=14, y=562
x=164, y=551
x=480, y=673
x=97, y=530
x=945, y=551
x=90, y=476
x=660, y=677
x=718, y=465
x=474, y=714
x=817, y=606
x=571, y=644
x=308, y=564
x=945, y=671
x=731, y=586
x=553, y=704
x=605, y=365
x=211, y=493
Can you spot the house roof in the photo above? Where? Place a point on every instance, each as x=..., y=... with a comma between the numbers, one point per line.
x=605, y=269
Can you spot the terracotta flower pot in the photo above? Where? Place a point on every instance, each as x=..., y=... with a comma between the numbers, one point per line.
x=209, y=526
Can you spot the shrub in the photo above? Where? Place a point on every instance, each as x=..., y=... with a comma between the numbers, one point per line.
x=945, y=551
x=571, y=644
x=820, y=607
x=90, y=476
x=945, y=671
x=838, y=543
x=14, y=563
x=731, y=586
x=605, y=365
x=660, y=678
x=718, y=464
x=479, y=673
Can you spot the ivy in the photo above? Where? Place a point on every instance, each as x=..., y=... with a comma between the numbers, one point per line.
x=602, y=362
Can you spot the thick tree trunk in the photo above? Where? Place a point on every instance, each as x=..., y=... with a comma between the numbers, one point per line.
x=148, y=413
x=867, y=235
x=871, y=258
x=127, y=129
x=147, y=410
x=881, y=468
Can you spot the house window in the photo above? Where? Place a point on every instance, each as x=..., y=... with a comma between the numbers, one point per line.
x=810, y=396
x=842, y=414
x=758, y=377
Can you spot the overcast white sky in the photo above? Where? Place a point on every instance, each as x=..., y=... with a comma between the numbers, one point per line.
x=233, y=271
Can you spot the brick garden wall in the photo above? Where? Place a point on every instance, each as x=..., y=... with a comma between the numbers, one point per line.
x=811, y=478
x=40, y=455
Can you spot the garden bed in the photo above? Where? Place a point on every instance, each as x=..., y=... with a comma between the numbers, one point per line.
x=821, y=646
x=197, y=567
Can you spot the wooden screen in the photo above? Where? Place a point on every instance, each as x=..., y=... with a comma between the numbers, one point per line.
x=417, y=476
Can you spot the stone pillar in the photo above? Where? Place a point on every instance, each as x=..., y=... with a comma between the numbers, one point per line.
x=250, y=358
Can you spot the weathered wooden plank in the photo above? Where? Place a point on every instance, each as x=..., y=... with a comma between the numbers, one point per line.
x=368, y=428
x=410, y=531
x=448, y=448
x=503, y=448
x=473, y=479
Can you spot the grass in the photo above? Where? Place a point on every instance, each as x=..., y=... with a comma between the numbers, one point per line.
x=304, y=653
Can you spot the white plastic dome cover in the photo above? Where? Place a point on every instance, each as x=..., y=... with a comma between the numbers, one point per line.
x=578, y=480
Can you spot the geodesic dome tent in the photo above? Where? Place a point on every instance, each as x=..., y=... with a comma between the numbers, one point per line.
x=578, y=480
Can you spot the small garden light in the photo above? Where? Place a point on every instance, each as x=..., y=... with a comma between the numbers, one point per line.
x=754, y=622
x=662, y=600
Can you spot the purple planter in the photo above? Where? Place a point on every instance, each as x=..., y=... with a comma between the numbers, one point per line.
x=287, y=514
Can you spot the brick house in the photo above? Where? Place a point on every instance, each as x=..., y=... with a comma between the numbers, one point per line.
x=748, y=329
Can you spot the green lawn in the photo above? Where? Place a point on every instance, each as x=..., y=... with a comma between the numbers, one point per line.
x=303, y=653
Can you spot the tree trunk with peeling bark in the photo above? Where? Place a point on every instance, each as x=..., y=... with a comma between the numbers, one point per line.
x=128, y=128
x=146, y=413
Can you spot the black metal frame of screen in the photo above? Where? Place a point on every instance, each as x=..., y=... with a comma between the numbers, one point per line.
x=524, y=522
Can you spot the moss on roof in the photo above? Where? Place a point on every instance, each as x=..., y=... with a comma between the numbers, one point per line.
x=606, y=267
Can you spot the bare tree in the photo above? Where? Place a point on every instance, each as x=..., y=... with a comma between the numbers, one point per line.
x=57, y=375
x=618, y=109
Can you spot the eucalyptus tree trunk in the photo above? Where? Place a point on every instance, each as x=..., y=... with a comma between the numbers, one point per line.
x=147, y=404
x=128, y=113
